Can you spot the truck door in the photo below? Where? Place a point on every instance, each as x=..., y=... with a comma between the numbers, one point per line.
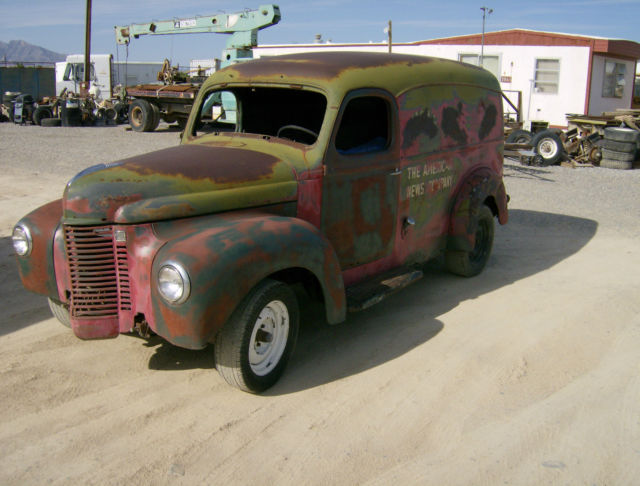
x=360, y=188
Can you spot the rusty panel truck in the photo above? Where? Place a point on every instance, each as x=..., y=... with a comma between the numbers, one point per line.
x=341, y=176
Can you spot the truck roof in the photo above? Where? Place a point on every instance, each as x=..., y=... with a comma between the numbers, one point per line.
x=345, y=71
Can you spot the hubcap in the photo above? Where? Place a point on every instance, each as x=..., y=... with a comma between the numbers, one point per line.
x=547, y=148
x=136, y=116
x=269, y=338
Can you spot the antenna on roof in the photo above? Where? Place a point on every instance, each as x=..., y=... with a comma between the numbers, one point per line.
x=485, y=11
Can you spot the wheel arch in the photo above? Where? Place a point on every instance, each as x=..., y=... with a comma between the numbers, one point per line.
x=482, y=187
x=228, y=259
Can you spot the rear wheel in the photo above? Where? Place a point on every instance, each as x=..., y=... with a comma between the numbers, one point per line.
x=253, y=347
x=156, y=117
x=471, y=263
x=141, y=116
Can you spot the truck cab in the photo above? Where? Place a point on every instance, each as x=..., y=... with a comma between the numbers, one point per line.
x=340, y=174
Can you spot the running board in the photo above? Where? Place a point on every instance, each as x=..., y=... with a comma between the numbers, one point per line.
x=365, y=294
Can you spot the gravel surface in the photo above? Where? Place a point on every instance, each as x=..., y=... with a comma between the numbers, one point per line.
x=525, y=374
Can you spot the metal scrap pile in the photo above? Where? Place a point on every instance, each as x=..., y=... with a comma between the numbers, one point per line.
x=611, y=140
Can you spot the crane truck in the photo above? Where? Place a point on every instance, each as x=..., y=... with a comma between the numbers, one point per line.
x=171, y=101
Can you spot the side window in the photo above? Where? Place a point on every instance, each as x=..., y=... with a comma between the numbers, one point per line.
x=613, y=83
x=68, y=73
x=217, y=113
x=490, y=63
x=364, y=127
x=547, y=76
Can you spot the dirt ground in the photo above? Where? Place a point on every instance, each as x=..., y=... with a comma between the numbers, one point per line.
x=526, y=374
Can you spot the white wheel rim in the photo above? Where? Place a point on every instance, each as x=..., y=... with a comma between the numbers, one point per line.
x=547, y=148
x=269, y=338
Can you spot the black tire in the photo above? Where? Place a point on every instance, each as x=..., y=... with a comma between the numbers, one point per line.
x=51, y=122
x=156, y=117
x=111, y=114
x=122, y=109
x=616, y=164
x=141, y=116
x=40, y=113
x=471, y=263
x=519, y=136
x=628, y=147
x=622, y=156
x=60, y=311
x=621, y=134
x=71, y=117
x=548, y=145
x=239, y=341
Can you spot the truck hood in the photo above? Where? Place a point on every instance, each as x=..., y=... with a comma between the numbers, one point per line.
x=182, y=181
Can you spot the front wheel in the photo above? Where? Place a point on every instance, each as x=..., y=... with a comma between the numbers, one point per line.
x=60, y=311
x=253, y=347
x=471, y=263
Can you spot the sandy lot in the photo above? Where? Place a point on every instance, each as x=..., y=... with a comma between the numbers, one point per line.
x=527, y=374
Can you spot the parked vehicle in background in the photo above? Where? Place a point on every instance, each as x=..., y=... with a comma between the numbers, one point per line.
x=105, y=75
x=342, y=174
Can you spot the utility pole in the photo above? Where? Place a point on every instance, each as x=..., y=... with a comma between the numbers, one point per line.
x=84, y=87
x=388, y=31
x=485, y=11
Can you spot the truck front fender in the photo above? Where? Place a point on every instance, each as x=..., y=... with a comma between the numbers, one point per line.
x=37, y=269
x=480, y=187
x=225, y=256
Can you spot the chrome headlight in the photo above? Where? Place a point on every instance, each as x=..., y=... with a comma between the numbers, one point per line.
x=22, y=242
x=173, y=283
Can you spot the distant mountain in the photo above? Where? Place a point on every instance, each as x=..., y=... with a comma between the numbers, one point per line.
x=21, y=51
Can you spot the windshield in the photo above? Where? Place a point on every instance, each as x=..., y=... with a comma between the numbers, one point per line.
x=293, y=114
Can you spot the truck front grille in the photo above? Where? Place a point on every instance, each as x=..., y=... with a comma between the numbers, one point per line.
x=98, y=270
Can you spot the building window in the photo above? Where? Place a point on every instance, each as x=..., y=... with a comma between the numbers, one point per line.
x=490, y=63
x=547, y=75
x=613, y=84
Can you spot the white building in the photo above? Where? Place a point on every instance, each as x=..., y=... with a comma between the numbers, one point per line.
x=556, y=73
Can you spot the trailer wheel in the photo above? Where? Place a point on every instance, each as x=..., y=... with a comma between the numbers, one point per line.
x=519, y=136
x=471, y=263
x=252, y=349
x=141, y=116
x=548, y=145
x=40, y=113
x=156, y=117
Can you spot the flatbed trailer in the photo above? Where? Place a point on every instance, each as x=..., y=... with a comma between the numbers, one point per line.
x=154, y=102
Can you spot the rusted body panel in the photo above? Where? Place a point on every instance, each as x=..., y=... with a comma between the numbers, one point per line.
x=228, y=255
x=234, y=208
x=37, y=271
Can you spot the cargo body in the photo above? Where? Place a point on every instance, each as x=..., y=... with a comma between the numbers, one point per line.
x=105, y=74
x=339, y=174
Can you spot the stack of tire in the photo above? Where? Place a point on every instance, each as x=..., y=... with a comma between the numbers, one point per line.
x=619, y=148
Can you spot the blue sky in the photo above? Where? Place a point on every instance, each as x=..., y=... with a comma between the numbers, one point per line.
x=58, y=25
